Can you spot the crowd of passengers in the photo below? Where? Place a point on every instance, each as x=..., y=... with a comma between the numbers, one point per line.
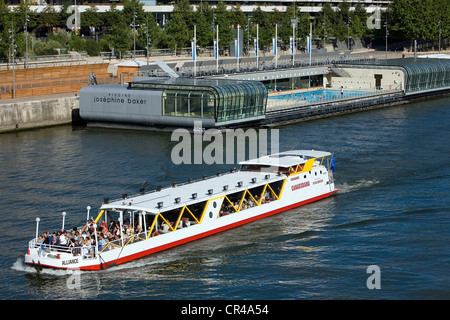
x=246, y=204
x=82, y=241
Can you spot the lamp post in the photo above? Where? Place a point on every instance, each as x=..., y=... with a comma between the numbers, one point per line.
x=64, y=219
x=293, y=43
x=440, y=33
x=37, y=227
x=12, y=56
x=387, y=33
x=148, y=43
x=194, y=50
x=257, y=45
x=26, y=38
x=217, y=48
x=275, y=45
x=348, y=32
x=134, y=34
x=237, y=49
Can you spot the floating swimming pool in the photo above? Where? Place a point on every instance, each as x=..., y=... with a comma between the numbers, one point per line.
x=318, y=95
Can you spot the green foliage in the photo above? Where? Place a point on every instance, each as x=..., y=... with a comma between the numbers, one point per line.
x=419, y=19
x=179, y=27
x=223, y=21
x=407, y=19
x=90, y=18
x=46, y=48
x=120, y=38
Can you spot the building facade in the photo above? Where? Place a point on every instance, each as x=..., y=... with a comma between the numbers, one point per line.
x=175, y=102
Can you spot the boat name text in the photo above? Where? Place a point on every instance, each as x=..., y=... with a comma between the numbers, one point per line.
x=118, y=100
x=300, y=185
x=71, y=261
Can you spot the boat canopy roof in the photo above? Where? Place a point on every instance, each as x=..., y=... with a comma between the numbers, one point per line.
x=182, y=194
x=286, y=159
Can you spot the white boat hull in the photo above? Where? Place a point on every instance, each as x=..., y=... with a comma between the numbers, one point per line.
x=298, y=189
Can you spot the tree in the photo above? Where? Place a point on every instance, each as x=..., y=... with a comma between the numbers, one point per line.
x=112, y=16
x=90, y=18
x=156, y=35
x=120, y=37
x=178, y=29
x=326, y=22
x=48, y=18
x=223, y=20
x=266, y=27
x=4, y=35
x=133, y=9
x=359, y=22
x=342, y=21
x=404, y=19
x=204, y=20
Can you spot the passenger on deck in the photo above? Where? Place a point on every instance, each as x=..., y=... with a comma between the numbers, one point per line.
x=164, y=227
x=85, y=251
x=101, y=243
x=63, y=239
x=185, y=222
x=129, y=232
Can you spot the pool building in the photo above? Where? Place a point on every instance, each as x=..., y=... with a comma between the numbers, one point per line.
x=242, y=99
x=175, y=102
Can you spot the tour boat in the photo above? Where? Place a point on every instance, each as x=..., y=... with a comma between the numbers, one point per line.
x=136, y=226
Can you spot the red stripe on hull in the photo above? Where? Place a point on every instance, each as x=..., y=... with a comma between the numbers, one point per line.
x=201, y=235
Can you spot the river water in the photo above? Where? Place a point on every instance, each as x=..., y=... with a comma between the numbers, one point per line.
x=392, y=212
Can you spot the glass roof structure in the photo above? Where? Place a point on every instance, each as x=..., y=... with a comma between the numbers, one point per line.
x=421, y=74
x=220, y=99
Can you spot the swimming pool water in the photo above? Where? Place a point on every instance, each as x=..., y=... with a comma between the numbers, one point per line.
x=317, y=95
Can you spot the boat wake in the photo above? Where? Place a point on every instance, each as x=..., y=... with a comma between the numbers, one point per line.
x=20, y=265
x=356, y=185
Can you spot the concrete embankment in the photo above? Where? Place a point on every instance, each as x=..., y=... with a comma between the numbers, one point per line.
x=43, y=111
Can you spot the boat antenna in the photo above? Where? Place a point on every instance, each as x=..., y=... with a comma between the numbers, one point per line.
x=295, y=146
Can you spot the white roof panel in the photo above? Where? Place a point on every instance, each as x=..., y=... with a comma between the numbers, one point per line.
x=287, y=158
x=149, y=202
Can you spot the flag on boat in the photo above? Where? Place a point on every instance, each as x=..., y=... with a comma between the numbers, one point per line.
x=332, y=163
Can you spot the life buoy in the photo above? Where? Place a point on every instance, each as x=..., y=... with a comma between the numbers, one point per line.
x=156, y=233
